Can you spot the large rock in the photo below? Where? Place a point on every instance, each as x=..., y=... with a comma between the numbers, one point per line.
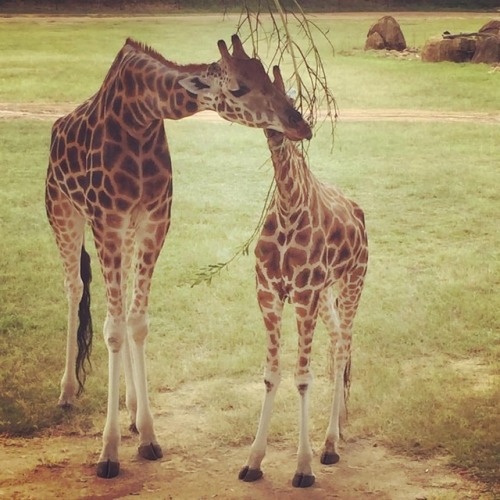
x=480, y=47
x=458, y=49
x=374, y=42
x=491, y=27
x=488, y=43
x=487, y=50
x=387, y=31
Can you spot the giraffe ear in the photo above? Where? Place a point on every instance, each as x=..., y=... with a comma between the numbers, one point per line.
x=195, y=84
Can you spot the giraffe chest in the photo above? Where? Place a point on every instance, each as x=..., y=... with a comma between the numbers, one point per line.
x=291, y=252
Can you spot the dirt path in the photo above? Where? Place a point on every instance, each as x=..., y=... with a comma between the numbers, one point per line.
x=38, y=111
x=194, y=467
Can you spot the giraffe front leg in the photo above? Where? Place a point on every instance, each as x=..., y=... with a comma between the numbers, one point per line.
x=252, y=470
x=306, y=323
x=272, y=319
x=148, y=443
x=149, y=240
x=304, y=476
x=108, y=465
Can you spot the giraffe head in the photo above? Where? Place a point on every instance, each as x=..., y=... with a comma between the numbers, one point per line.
x=239, y=89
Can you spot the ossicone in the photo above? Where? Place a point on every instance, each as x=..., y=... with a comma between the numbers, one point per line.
x=238, y=51
x=278, y=79
x=223, y=49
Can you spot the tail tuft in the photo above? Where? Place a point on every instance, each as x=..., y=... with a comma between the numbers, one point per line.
x=347, y=384
x=347, y=379
x=85, y=332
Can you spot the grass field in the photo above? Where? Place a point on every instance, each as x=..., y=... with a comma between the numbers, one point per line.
x=426, y=343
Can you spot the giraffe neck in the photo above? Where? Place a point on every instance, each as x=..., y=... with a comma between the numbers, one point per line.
x=142, y=86
x=291, y=173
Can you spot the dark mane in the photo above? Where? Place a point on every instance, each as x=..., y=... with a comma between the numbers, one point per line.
x=147, y=50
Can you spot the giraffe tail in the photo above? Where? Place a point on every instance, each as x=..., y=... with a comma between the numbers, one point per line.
x=84, y=332
x=347, y=389
x=347, y=381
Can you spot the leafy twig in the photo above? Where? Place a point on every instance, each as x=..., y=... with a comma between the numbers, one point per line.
x=207, y=273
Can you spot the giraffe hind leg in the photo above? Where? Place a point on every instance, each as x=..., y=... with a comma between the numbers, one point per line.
x=330, y=317
x=68, y=227
x=131, y=393
x=338, y=316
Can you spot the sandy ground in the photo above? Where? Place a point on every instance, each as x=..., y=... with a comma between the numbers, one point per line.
x=194, y=467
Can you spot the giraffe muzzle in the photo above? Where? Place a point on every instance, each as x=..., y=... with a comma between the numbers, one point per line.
x=298, y=128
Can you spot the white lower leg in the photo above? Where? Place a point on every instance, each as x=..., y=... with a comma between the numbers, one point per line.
x=131, y=395
x=114, y=330
x=138, y=330
x=258, y=448
x=69, y=383
x=337, y=414
x=304, y=453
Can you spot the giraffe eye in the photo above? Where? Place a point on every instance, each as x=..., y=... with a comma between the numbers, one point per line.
x=241, y=91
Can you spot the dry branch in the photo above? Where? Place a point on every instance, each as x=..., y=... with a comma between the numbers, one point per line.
x=300, y=49
x=315, y=98
x=459, y=35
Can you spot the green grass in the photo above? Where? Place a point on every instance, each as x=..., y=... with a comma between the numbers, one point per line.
x=426, y=342
x=66, y=59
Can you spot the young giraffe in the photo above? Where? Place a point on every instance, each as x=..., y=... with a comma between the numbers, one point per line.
x=313, y=239
x=110, y=166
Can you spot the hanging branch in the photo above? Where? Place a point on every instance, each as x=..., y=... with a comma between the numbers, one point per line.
x=315, y=99
x=289, y=45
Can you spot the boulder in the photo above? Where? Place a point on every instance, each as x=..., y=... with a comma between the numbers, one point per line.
x=434, y=49
x=374, y=42
x=479, y=47
x=491, y=27
x=487, y=50
x=389, y=31
x=458, y=49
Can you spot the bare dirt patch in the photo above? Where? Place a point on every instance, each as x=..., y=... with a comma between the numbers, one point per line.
x=194, y=467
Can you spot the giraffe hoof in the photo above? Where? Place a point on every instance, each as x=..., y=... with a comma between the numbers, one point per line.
x=303, y=480
x=249, y=475
x=329, y=458
x=133, y=429
x=150, y=451
x=108, y=469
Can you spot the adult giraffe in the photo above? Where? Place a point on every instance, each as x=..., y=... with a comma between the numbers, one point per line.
x=313, y=240
x=110, y=167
